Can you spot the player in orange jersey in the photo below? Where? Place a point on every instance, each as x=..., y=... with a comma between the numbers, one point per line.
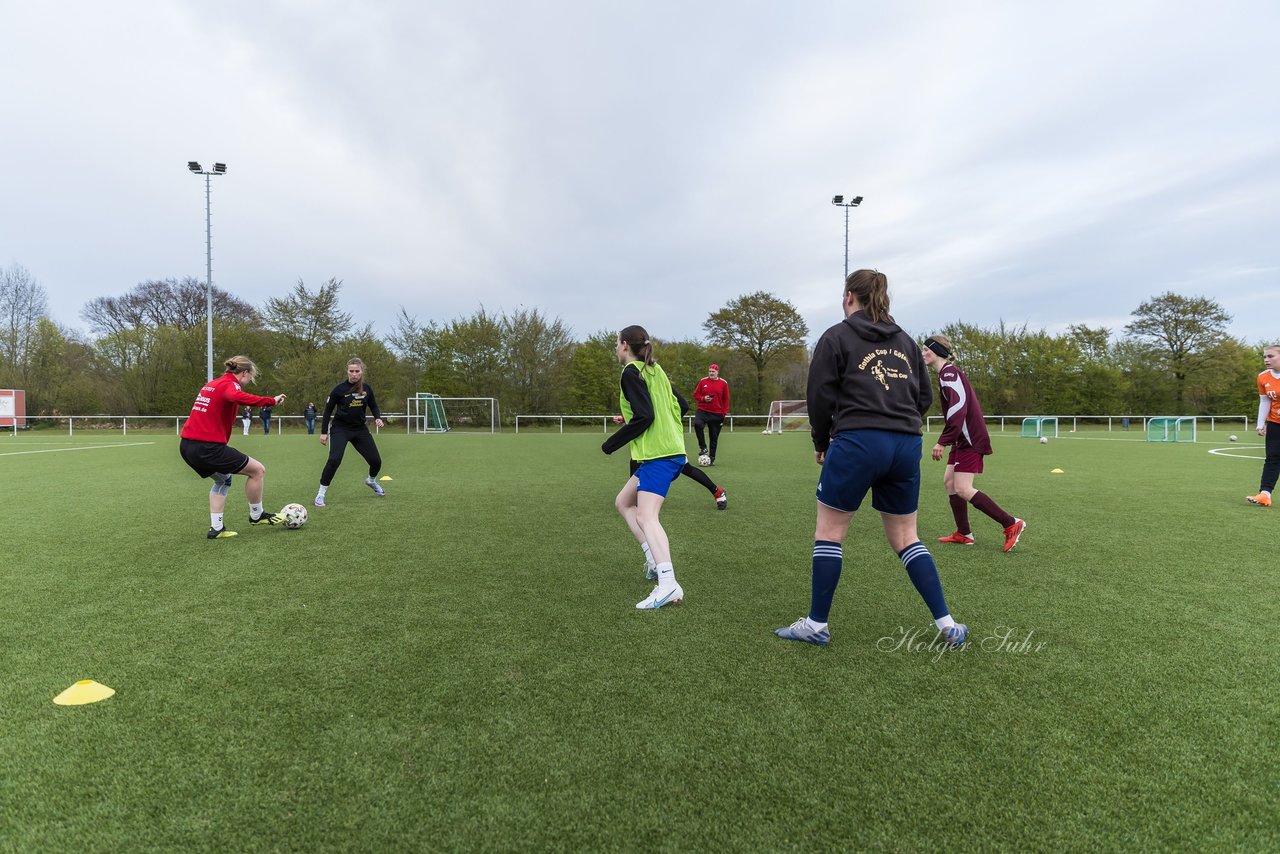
x=1269, y=423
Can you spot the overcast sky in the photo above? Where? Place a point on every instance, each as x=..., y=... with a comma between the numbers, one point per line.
x=645, y=162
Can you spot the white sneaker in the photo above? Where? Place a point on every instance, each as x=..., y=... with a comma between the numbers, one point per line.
x=673, y=595
x=319, y=500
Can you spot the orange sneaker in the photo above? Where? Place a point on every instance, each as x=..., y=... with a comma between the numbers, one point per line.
x=957, y=538
x=1013, y=533
x=1262, y=499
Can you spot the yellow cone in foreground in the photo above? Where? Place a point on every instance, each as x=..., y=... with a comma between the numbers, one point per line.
x=84, y=691
x=1056, y=471
x=385, y=477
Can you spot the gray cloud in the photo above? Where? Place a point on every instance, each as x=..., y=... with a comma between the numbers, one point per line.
x=619, y=163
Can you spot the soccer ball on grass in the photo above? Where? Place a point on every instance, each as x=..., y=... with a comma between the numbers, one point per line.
x=295, y=516
x=1234, y=438
x=704, y=460
x=1044, y=440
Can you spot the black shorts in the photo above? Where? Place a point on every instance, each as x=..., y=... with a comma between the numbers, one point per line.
x=207, y=458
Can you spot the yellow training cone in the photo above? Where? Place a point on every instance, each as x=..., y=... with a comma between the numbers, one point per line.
x=84, y=691
x=385, y=477
x=1056, y=471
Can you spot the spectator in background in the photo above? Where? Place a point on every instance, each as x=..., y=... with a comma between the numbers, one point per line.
x=265, y=414
x=310, y=414
x=711, y=397
x=246, y=418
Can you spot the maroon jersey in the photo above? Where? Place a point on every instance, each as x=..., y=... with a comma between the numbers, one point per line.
x=214, y=412
x=964, y=426
x=717, y=390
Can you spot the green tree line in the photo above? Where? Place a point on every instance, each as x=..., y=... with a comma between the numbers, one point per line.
x=144, y=354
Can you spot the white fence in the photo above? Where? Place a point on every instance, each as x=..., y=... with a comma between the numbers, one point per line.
x=124, y=425
x=1106, y=423
x=582, y=423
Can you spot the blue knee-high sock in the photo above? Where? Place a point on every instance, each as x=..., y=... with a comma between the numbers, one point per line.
x=827, y=560
x=923, y=573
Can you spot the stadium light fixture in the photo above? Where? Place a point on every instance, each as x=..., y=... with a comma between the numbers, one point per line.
x=218, y=169
x=839, y=201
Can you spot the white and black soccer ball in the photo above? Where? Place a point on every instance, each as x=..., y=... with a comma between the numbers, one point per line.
x=295, y=516
x=704, y=460
x=1233, y=438
x=1044, y=440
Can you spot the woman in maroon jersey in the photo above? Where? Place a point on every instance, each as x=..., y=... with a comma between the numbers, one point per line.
x=204, y=443
x=965, y=431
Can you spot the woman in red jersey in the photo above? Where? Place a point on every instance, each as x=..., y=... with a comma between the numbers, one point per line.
x=204, y=443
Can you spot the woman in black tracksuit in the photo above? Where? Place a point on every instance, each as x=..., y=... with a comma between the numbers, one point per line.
x=348, y=404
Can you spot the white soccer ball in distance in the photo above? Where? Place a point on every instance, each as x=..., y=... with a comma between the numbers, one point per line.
x=1044, y=440
x=704, y=460
x=295, y=516
x=1234, y=438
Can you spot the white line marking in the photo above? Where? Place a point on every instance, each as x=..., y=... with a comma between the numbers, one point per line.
x=1224, y=452
x=88, y=448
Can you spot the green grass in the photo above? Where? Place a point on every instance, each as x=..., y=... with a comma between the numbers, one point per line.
x=459, y=665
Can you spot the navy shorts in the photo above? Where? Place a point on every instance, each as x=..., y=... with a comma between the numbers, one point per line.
x=208, y=458
x=884, y=462
x=656, y=476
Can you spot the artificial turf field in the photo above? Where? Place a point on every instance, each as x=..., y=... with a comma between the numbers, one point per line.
x=459, y=665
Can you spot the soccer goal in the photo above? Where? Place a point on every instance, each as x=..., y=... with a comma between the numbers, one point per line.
x=1040, y=426
x=787, y=415
x=431, y=413
x=1171, y=429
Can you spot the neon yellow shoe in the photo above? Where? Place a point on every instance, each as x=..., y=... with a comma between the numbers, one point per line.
x=220, y=534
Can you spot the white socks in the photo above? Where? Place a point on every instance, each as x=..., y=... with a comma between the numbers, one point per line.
x=255, y=510
x=945, y=622
x=666, y=576
x=215, y=521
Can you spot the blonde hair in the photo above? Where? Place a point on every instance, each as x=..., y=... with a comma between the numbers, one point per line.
x=355, y=360
x=240, y=364
x=871, y=287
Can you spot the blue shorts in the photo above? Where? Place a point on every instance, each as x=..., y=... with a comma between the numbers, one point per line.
x=884, y=462
x=656, y=476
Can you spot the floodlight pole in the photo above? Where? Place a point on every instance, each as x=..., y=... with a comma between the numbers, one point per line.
x=218, y=169
x=852, y=203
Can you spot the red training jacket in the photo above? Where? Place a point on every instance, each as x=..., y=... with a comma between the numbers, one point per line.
x=718, y=390
x=214, y=412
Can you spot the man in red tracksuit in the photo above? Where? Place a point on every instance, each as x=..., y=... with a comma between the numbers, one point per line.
x=204, y=443
x=711, y=396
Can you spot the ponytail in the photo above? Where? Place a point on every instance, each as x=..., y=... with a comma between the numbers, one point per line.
x=871, y=287
x=637, y=340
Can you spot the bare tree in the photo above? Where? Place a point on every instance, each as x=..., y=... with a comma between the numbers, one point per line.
x=179, y=303
x=22, y=303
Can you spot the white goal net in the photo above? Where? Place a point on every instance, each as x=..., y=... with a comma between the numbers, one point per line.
x=787, y=415
x=431, y=413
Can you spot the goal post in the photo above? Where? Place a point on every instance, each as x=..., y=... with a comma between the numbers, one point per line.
x=787, y=415
x=1171, y=428
x=1040, y=426
x=431, y=413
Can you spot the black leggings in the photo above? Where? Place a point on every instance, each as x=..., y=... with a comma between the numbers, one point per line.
x=1271, y=468
x=362, y=441
x=714, y=422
